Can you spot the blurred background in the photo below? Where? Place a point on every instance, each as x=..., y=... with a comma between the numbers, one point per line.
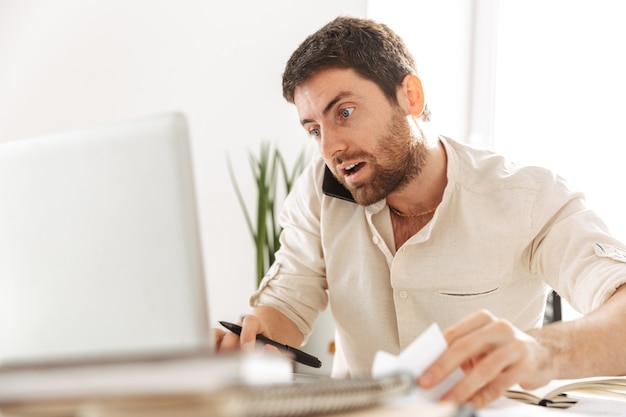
x=540, y=80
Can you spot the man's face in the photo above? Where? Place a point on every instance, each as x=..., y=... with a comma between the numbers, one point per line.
x=365, y=140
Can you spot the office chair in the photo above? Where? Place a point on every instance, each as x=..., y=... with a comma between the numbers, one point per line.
x=553, y=308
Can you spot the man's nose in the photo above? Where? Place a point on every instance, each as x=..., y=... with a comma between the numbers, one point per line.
x=332, y=141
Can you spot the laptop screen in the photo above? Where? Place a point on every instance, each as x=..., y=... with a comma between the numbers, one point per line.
x=99, y=244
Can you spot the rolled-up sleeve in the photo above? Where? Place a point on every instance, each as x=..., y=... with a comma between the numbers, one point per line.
x=574, y=250
x=296, y=283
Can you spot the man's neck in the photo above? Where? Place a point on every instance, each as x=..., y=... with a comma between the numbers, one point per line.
x=425, y=192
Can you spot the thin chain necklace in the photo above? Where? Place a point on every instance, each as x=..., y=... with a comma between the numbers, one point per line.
x=420, y=214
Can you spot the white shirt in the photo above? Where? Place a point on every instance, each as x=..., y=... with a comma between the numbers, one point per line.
x=500, y=236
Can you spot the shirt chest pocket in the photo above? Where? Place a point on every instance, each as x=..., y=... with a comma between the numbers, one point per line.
x=454, y=275
x=469, y=293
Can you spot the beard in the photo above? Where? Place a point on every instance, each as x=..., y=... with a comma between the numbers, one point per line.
x=398, y=158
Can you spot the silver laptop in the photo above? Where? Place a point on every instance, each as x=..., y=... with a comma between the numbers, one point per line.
x=99, y=244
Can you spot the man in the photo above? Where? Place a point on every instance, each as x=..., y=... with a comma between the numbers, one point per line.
x=398, y=228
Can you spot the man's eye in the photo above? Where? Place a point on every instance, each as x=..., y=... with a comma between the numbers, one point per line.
x=314, y=133
x=345, y=113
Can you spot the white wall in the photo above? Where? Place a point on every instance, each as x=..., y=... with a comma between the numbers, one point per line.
x=75, y=63
x=440, y=36
x=560, y=95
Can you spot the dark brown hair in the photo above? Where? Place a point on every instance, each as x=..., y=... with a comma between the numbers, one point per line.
x=371, y=49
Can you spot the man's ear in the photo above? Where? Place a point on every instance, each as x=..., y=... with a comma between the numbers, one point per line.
x=411, y=95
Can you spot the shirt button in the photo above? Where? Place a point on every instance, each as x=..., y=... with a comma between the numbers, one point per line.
x=403, y=294
x=375, y=240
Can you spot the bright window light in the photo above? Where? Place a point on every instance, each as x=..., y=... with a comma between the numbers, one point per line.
x=560, y=97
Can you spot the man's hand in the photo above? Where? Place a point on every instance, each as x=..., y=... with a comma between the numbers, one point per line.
x=494, y=355
x=226, y=341
x=259, y=322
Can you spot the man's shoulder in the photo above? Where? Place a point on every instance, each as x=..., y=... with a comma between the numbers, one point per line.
x=483, y=168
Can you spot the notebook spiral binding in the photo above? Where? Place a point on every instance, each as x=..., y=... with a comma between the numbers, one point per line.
x=319, y=396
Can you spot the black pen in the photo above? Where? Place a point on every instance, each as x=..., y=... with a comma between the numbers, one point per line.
x=299, y=356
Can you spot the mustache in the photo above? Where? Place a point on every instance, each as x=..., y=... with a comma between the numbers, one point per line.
x=353, y=156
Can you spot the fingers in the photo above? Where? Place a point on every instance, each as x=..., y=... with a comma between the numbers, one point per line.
x=226, y=341
x=250, y=327
x=491, y=352
x=458, y=354
x=495, y=371
x=468, y=325
x=494, y=389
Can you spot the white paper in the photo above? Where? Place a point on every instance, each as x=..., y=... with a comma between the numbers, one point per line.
x=600, y=407
x=416, y=358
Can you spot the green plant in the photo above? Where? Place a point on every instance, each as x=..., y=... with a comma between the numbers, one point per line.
x=268, y=168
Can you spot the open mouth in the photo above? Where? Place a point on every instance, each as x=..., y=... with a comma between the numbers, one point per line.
x=353, y=168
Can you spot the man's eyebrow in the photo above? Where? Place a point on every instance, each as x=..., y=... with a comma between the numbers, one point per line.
x=329, y=106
